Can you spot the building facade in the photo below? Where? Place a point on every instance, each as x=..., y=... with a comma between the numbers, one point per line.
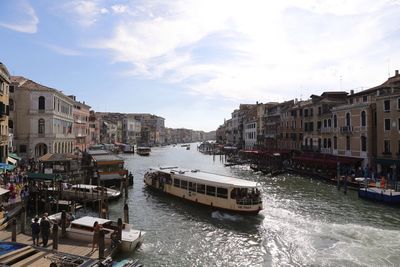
x=42, y=119
x=81, y=113
x=4, y=112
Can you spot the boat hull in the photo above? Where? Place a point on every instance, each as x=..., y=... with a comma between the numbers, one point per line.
x=254, y=211
x=380, y=195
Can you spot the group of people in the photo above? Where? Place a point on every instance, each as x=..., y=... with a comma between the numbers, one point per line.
x=96, y=233
x=42, y=228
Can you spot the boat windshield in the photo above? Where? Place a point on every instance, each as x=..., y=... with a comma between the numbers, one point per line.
x=246, y=196
x=112, y=225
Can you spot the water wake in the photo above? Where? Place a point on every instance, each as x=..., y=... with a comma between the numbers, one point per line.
x=226, y=216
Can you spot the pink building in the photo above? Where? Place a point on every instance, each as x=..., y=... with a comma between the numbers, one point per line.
x=81, y=113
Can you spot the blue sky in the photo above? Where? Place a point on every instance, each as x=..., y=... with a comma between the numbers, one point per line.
x=193, y=62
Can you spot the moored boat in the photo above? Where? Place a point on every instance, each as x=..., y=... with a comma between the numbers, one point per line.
x=143, y=151
x=86, y=191
x=213, y=190
x=82, y=229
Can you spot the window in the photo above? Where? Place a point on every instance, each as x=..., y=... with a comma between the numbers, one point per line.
x=386, y=147
x=41, y=126
x=363, y=143
x=177, y=182
x=201, y=188
x=10, y=124
x=311, y=112
x=42, y=103
x=22, y=148
x=348, y=121
x=222, y=192
x=210, y=190
x=398, y=103
x=387, y=124
x=11, y=104
x=335, y=121
x=184, y=184
x=347, y=142
x=335, y=142
x=386, y=105
x=398, y=147
x=365, y=98
x=363, y=118
x=192, y=186
x=11, y=88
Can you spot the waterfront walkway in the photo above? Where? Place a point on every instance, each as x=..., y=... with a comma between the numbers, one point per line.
x=43, y=257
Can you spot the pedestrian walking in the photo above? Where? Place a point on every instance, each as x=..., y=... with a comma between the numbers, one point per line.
x=45, y=229
x=35, y=231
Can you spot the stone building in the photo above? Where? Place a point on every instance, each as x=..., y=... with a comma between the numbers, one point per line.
x=4, y=112
x=131, y=130
x=81, y=113
x=94, y=128
x=42, y=119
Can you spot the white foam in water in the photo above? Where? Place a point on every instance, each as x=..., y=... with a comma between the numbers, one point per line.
x=226, y=216
x=292, y=240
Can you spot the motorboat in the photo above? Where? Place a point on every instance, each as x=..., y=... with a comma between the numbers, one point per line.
x=87, y=191
x=82, y=229
x=143, y=151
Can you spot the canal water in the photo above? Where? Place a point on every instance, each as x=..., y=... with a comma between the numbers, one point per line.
x=304, y=222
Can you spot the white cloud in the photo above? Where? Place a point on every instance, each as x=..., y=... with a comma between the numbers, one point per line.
x=263, y=50
x=62, y=50
x=86, y=12
x=19, y=16
x=119, y=9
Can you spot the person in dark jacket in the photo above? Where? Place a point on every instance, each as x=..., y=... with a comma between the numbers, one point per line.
x=45, y=230
x=35, y=231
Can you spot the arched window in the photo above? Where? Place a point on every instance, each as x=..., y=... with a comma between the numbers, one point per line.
x=11, y=104
x=41, y=126
x=363, y=143
x=329, y=143
x=335, y=121
x=329, y=123
x=10, y=124
x=335, y=142
x=42, y=103
x=348, y=122
x=363, y=118
x=347, y=142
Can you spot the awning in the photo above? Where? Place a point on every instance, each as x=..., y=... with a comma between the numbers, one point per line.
x=14, y=156
x=43, y=176
x=7, y=167
x=3, y=191
x=11, y=160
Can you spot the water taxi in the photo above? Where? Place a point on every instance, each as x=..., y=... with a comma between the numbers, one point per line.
x=143, y=151
x=213, y=190
x=82, y=229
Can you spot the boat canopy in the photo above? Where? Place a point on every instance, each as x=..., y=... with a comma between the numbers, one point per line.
x=89, y=221
x=209, y=177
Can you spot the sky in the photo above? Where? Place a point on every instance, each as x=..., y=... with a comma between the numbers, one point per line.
x=194, y=61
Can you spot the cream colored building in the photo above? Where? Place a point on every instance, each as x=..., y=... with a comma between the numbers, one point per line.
x=42, y=119
x=4, y=111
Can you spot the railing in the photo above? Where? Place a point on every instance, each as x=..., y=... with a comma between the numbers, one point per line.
x=346, y=129
x=326, y=150
x=326, y=129
x=249, y=201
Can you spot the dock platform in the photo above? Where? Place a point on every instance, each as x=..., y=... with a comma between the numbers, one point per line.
x=68, y=250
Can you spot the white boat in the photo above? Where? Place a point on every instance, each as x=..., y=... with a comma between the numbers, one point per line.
x=87, y=191
x=82, y=229
x=213, y=190
x=143, y=151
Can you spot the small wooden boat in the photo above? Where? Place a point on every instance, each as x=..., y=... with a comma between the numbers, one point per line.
x=143, y=151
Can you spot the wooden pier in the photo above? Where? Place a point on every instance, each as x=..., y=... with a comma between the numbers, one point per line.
x=67, y=250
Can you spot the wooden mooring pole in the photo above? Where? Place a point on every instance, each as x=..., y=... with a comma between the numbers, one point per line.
x=23, y=219
x=101, y=244
x=63, y=224
x=55, y=236
x=14, y=230
x=126, y=213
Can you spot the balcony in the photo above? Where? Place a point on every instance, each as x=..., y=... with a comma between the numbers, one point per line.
x=360, y=129
x=326, y=150
x=346, y=129
x=326, y=129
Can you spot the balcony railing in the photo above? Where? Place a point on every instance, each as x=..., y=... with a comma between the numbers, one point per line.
x=346, y=129
x=327, y=150
x=326, y=129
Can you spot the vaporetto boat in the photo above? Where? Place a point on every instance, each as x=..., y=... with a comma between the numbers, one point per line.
x=213, y=190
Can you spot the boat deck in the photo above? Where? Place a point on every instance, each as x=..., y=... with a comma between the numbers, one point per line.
x=67, y=250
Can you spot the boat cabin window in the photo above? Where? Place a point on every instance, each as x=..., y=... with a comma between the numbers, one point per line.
x=210, y=190
x=246, y=196
x=184, y=184
x=201, y=188
x=82, y=227
x=222, y=192
x=81, y=189
x=177, y=182
x=192, y=186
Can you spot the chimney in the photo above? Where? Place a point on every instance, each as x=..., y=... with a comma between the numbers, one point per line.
x=396, y=72
x=351, y=92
